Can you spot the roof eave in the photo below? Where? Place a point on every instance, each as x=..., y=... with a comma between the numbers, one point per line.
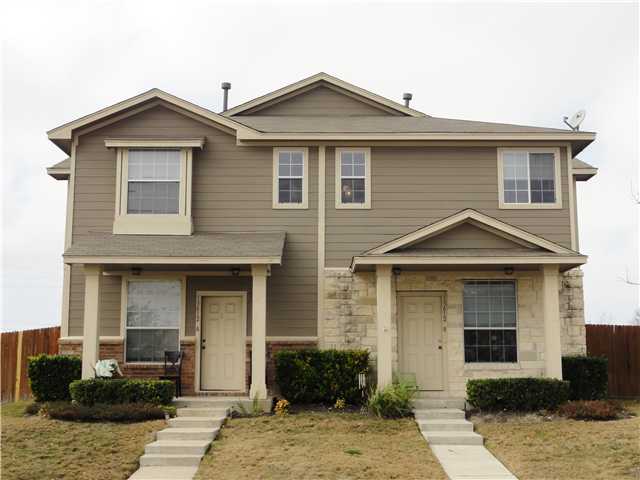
x=59, y=173
x=129, y=260
x=584, y=174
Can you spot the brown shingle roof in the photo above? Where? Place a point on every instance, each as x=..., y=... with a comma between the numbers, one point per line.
x=200, y=245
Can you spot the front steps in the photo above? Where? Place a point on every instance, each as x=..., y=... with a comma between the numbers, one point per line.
x=179, y=448
x=457, y=447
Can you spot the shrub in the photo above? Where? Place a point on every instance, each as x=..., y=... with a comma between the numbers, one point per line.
x=50, y=376
x=591, y=410
x=393, y=401
x=122, y=412
x=32, y=408
x=588, y=377
x=321, y=376
x=517, y=394
x=282, y=407
x=122, y=390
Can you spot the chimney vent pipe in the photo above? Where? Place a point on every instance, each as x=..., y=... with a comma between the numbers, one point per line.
x=407, y=98
x=226, y=86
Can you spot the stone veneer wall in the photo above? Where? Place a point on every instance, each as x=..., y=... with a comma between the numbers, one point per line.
x=115, y=349
x=350, y=319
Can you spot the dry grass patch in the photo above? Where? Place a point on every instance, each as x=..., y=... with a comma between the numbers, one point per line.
x=536, y=448
x=38, y=448
x=318, y=445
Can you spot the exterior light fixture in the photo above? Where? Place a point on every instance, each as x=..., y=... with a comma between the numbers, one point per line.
x=508, y=270
x=136, y=271
x=235, y=271
x=396, y=270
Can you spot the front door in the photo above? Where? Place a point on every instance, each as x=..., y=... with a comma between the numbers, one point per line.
x=222, y=343
x=420, y=332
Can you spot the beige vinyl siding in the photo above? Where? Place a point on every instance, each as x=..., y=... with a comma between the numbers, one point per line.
x=415, y=186
x=320, y=101
x=231, y=193
x=466, y=236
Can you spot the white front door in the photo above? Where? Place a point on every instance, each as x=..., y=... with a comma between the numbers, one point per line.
x=420, y=332
x=222, y=343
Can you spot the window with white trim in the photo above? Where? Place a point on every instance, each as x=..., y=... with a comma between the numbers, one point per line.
x=290, y=178
x=490, y=317
x=353, y=178
x=152, y=320
x=529, y=178
x=153, y=181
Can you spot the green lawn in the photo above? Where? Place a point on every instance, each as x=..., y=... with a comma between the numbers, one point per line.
x=320, y=446
x=38, y=448
x=566, y=449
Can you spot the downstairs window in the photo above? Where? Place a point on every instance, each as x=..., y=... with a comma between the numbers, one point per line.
x=153, y=319
x=490, y=333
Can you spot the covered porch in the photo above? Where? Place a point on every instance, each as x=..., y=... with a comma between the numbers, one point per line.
x=204, y=294
x=467, y=297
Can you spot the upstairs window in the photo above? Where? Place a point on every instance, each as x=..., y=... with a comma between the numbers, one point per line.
x=153, y=182
x=353, y=178
x=529, y=178
x=290, y=174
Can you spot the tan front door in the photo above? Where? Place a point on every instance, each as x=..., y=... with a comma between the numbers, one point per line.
x=222, y=342
x=420, y=332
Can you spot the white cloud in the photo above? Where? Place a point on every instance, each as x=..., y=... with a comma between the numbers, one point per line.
x=519, y=63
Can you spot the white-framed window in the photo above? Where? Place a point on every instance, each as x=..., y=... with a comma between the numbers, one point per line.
x=153, y=181
x=152, y=318
x=490, y=321
x=291, y=177
x=529, y=178
x=353, y=178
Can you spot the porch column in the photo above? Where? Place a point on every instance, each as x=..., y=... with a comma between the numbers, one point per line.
x=551, y=312
x=258, y=332
x=383, y=299
x=91, y=332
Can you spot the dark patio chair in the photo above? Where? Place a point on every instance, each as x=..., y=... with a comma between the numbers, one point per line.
x=173, y=369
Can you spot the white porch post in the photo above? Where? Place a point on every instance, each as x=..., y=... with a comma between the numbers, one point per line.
x=258, y=332
x=91, y=332
x=551, y=312
x=383, y=296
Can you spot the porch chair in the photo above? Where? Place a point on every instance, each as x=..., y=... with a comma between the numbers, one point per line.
x=173, y=369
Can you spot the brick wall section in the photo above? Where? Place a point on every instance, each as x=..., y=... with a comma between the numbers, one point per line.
x=114, y=349
x=574, y=335
x=350, y=319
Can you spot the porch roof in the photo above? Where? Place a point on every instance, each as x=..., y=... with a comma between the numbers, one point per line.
x=199, y=248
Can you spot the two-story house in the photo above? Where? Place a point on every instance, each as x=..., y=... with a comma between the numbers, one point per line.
x=320, y=214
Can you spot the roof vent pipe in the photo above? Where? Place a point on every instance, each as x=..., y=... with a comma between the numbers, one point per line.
x=407, y=98
x=226, y=86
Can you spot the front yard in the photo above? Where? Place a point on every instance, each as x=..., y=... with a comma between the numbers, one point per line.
x=320, y=445
x=38, y=448
x=566, y=449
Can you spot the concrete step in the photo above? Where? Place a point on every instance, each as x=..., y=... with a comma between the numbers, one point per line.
x=202, y=412
x=422, y=403
x=169, y=460
x=178, y=447
x=442, y=413
x=440, y=425
x=221, y=402
x=196, y=422
x=453, y=438
x=177, y=434
x=164, y=473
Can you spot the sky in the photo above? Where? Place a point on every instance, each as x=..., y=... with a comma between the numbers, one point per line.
x=517, y=63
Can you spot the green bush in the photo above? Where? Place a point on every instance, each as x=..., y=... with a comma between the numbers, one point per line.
x=321, y=376
x=50, y=376
x=588, y=377
x=122, y=390
x=393, y=401
x=517, y=394
x=122, y=412
x=591, y=410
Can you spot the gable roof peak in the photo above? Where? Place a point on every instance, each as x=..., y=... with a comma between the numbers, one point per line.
x=332, y=80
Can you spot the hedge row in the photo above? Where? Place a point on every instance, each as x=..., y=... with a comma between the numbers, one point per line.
x=50, y=376
x=588, y=377
x=122, y=390
x=517, y=394
x=321, y=376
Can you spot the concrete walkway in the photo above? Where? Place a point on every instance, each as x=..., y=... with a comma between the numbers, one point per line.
x=457, y=447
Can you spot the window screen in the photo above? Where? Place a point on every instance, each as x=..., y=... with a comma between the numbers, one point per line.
x=153, y=181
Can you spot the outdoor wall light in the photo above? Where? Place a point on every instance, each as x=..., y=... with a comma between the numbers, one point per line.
x=136, y=271
x=508, y=270
x=396, y=270
x=235, y=271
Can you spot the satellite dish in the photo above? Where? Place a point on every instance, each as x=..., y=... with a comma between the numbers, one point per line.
x=575, y=120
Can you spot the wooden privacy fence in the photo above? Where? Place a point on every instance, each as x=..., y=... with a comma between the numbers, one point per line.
x=17, y=347
x=621, y=345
